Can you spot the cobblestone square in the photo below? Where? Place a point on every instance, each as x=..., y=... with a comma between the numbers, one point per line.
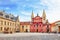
x=30, y=36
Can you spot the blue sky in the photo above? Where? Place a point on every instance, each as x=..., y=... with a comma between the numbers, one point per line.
x=24, y=8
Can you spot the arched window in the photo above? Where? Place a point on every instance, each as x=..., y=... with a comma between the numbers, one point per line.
x=37, y=24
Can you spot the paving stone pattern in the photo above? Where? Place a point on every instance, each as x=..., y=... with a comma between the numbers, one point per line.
x=36, y=37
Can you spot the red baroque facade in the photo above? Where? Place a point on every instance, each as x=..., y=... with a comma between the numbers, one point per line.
x=37, y=25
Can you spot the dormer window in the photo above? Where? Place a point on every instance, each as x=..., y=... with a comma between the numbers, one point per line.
x=6, y=16
x=1, y=14
x=11, y=17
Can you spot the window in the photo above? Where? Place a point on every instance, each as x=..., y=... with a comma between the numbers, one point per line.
x=22, y=26
x=40, y=25
x=8, y=23
x=37, y=24
x=1, y=22
x=1, y=14
x=5, y=22
x=34, y=25
x=6, y=16
x=1, y=28
x=11, y=17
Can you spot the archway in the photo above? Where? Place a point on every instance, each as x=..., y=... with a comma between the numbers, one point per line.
x=59, y=28
x=26, y=30
x=37, y=30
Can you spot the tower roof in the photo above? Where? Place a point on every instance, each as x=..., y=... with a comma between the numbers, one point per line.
x=44, y=15
x=32, y=16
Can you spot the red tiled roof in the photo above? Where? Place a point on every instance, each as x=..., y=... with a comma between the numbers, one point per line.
x=57, y=21
x=53, y=24
x=24, y=23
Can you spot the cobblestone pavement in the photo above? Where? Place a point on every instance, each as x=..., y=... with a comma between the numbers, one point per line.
x=32, y=37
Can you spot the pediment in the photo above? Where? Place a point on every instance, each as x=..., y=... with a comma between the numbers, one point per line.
x=37, y=17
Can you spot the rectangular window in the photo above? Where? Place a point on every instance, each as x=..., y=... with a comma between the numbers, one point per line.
x=22, y=27
x=1, y=22
x=1, y=28
x=5, y=23
x=7, y=16
x=34, y=25
x=8, y=23
x=37, y=24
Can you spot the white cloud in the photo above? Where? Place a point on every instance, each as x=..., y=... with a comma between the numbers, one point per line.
x=7, y=8
x=26, y=13
x=53, y=15
x=53, y=12
x=25, y=19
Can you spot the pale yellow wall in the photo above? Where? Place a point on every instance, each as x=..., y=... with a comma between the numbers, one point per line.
x=25, y=27
x=17, y=25
x=11, y=27
x=55, y=28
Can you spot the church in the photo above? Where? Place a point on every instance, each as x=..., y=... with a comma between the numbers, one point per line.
x=37, y=24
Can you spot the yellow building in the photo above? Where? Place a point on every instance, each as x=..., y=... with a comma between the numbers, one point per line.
x=8, y=23
x=24, y=26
